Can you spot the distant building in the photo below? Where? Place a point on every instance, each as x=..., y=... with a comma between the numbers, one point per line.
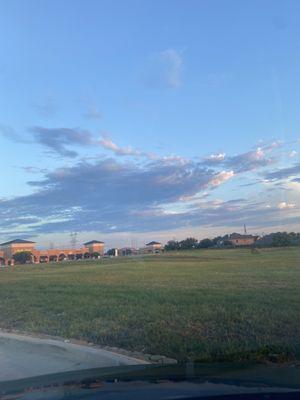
x=8, y=249
x=127, y=251
x=95, y=246
x=237, y=239
x=154, y=247
x=93, y=249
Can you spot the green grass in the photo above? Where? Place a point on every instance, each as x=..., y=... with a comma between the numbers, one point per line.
x=200, y=305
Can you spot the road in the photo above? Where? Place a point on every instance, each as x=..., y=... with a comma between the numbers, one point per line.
x=23, y=356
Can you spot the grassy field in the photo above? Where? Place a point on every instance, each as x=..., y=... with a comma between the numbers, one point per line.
x=201, y=305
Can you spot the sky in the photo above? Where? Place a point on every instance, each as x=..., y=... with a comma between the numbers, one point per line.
x=131, y=121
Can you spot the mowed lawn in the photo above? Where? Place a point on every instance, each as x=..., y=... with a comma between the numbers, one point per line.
x=201, y=305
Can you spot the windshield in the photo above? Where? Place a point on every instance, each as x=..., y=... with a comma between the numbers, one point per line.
x=150, y=183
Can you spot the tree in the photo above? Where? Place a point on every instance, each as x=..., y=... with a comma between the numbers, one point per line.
x=111, y=252
x=217, y=240
x=95, y=254
x=281, y=239
x=22, y=257
x=188, y=243
x=205, y=244
x=172, y=245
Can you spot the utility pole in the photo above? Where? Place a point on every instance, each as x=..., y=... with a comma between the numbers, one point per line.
x=73, y=239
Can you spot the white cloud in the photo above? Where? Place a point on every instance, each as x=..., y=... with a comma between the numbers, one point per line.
x=258, y=154
x=273, y=145
x=292, y=153
x=171, y=159
x=217, y=157
x=108, y=144
x=284, y=205
x=248, y=161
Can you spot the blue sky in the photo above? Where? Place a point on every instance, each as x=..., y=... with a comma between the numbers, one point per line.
x=138, y=120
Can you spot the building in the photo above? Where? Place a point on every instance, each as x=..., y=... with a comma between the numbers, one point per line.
x=237, y=239
x=154, y=247
x=95, y=246
x=93, y=249
x=128, y=251
x=8, y=249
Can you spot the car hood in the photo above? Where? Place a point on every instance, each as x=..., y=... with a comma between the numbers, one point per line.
x=188, y=380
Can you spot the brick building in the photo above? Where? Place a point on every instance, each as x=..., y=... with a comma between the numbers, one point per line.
x=93, y=249
x=154, y=247
x=242, y=240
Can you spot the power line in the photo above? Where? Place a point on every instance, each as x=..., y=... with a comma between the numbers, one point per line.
x=73, y=239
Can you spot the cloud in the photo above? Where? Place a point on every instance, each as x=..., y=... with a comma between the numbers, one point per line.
x=216, y=157
x=136, y=194
x=220, y=214
x=130, y=197
x=221, y=177
x=59, y=139
x=249, y=161
x=9, y=133
x=96, y=196
x=283, y=173
x=269, y=146
x=292, y=153
x=243, y=162
x=283, y=205
x=108, y=144
x=34, y=170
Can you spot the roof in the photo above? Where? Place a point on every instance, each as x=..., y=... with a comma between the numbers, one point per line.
x=16, y=241
x=93, y=242
x=239, y=236
x=152, y=243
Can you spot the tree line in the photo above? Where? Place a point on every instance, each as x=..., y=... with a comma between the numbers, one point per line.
x=279, y=239
x=192, y=243
x=276, y=239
